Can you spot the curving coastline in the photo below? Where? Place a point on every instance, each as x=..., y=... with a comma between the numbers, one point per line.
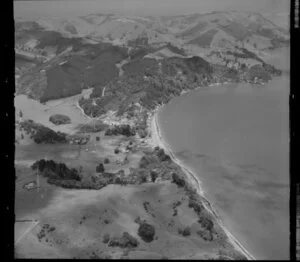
x=156, y=139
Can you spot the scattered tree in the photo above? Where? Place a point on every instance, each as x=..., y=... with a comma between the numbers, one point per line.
x=146, y=232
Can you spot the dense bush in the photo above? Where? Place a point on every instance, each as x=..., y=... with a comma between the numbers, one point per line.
x=146, y=232
x=41, y=134
x=51, y=169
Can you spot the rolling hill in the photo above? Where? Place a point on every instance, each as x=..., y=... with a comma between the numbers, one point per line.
x=93, y=50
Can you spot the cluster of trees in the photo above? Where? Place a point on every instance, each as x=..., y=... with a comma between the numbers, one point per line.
x=125, y=130
x=51, y=169
x=146, y=231
x=48, y=136
x=41, y=134
x=206, y=222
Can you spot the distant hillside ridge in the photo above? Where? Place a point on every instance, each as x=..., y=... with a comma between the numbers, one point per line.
x=97, y=50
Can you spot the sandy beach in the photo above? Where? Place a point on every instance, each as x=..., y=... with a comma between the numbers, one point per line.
x=156, y=139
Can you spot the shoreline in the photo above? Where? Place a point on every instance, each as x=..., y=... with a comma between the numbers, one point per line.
x=156, y=139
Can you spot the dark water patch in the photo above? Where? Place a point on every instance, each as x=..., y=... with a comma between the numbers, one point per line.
x=239, y=140
x=184, y=154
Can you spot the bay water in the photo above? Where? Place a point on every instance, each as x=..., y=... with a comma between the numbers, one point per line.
x=235, y=138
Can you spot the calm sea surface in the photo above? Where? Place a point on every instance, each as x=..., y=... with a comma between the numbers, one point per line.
x=236, y=139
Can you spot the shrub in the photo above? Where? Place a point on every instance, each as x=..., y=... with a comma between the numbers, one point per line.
x=206, y=223
x=185, y=232
x=196, y=206
x=97, y=138
x=146, y=160
x=142, y=175
x=206, y=235
x=146, y=232
x=106, y=238
x=117, y=151
x=106, y=161
x=153, y=175
x=125, y=241
x=100, y=168
x=162, y=156
x=177, y=180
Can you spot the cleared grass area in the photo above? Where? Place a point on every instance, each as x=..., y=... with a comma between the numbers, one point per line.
x=205, y=39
